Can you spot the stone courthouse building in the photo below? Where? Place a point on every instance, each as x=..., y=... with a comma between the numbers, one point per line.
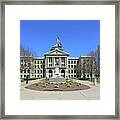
x=57, y=63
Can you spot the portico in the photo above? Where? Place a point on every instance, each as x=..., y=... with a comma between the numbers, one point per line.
x=56, y=62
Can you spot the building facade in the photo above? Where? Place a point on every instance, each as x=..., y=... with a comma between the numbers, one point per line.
x=57, y=63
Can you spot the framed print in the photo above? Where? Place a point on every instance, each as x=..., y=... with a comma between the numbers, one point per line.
x=59, y=59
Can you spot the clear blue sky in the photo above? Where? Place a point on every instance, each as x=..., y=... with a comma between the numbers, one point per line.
x=78, y=37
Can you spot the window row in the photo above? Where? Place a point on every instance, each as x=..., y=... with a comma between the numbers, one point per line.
x=25, y=71
x=36, y=76
x=38, y=62
x=72, y=61
x=72, y=71
x=38, y=71
x=72, y=66
x=38, y=66
x=72, y=76
x=62, y=65
x=50, y=59
x=28, y=71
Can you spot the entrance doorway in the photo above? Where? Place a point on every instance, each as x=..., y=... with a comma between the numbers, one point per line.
x=50, y=73
x=63, y=73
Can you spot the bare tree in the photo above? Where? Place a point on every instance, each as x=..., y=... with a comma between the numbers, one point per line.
x=92, y=64
x=95, y=67
x=98, y=61
x=26, y=61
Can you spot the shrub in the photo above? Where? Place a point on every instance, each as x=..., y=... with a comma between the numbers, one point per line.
x=78, y=84
x=68, y=85
x=43, y=85
x=56, y=86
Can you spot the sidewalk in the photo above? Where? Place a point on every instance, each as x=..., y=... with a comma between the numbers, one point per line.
x=90, y=94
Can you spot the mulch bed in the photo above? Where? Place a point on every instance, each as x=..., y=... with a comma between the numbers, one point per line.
x=50, y=87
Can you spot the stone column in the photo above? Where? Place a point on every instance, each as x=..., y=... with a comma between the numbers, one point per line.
x=47, y=73
x=54, y=61
x=59, y=61
x=46, y=62
x=65, y=61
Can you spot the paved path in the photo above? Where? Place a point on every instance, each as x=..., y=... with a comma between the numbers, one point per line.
x=90, y=94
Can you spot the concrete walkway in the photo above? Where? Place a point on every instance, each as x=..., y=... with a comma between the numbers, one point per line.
x=90, y=94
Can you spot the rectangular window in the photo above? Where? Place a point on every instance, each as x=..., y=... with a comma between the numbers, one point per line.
x=28, y=71
x=38, y=66
x=38, y=62
x=74, y=62
x=71, y=66
x=71, y=62
x=63, y=59
x=41, y=71
x=29, y=64
x=38, y=76
x=25, y=65
x=74, y=75
x=74, y=71
x=50, y=59
x=38, y=71
x=77, y=75
x=35, y=66
x=62, y=65
x=71, y=71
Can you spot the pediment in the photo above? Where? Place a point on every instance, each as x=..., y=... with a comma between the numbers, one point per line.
x=57, y=52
